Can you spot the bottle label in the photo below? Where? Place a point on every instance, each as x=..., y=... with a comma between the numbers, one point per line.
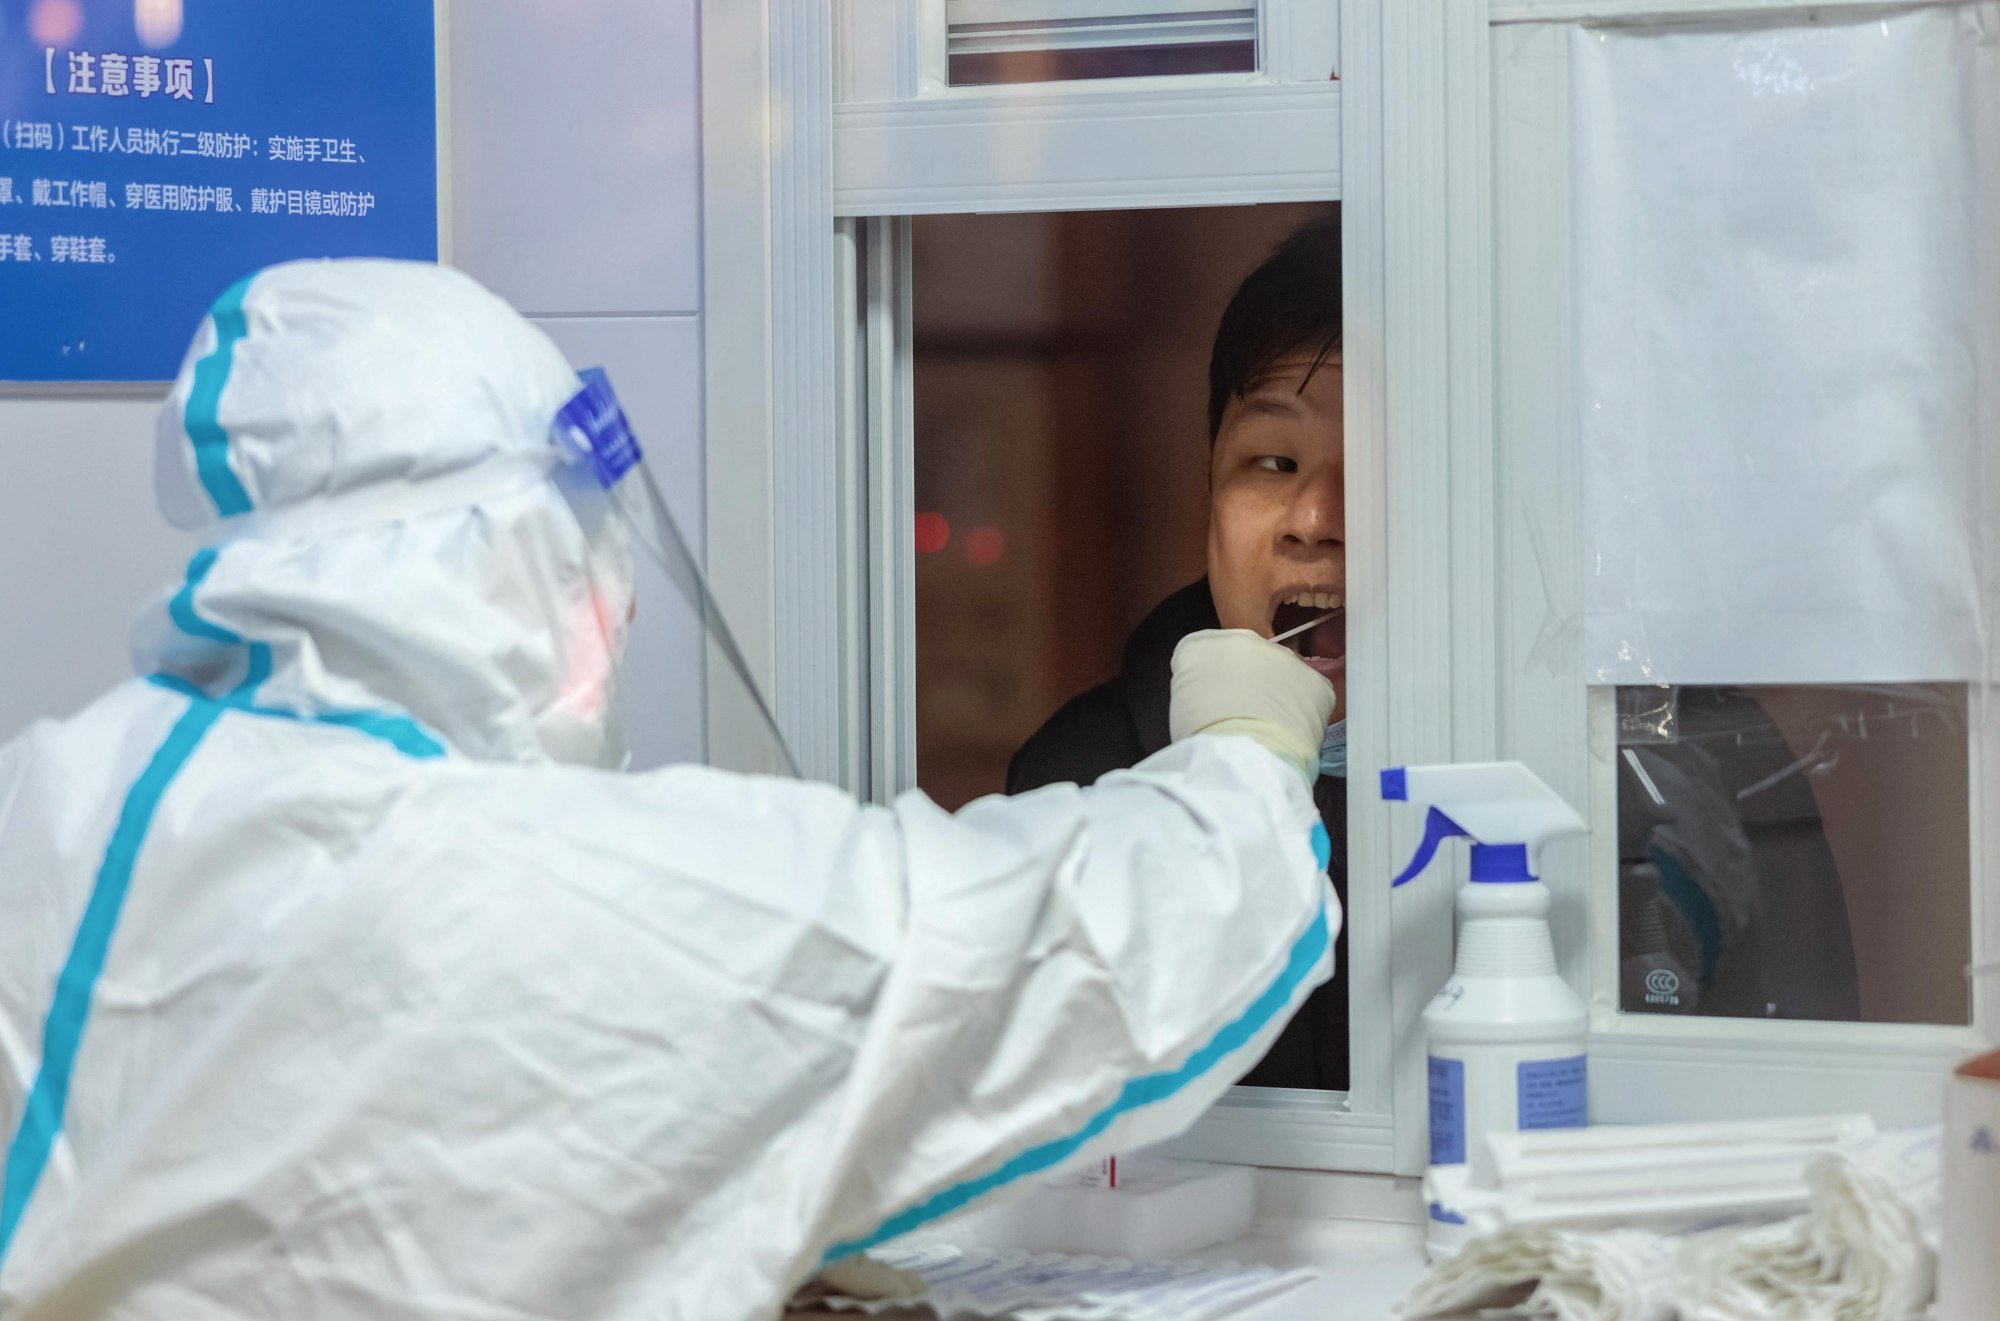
x=1552, y=1094
x=1447, y=1111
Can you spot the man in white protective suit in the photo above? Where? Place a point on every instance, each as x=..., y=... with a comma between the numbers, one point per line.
x=338, y=979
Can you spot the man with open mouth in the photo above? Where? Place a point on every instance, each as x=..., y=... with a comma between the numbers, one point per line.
x=1277, y=562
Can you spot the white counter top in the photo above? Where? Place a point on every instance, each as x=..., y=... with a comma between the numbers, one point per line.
x=1365, y=1268
x=1358, y=1233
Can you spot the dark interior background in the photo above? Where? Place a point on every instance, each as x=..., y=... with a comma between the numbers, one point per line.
x=1061, y=367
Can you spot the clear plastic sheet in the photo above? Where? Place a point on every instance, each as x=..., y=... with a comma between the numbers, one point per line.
x=1783, y=350
x=606, y=477
x=759, y=746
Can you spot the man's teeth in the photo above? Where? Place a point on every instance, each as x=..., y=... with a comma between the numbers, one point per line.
x=1315, y=600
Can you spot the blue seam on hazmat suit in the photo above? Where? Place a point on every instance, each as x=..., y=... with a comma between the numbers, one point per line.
x=69, y=1009
x=1305, y=955
x=202, y=417
x=399, y=732
x=181, y=608
x=62, y=1030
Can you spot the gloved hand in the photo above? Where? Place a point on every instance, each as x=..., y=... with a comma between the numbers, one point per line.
x=1231, y=681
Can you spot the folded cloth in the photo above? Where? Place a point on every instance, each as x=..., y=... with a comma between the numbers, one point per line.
x=1603, y=1275
x=1865, y=1249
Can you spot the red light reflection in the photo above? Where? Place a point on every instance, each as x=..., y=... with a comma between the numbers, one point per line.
x=985, y=545
x=54, y=22
x=933, y=533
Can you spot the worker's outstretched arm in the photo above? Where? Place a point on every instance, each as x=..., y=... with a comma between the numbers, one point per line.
x=761, y=1024
x=1086, y=970
x=1081, y=971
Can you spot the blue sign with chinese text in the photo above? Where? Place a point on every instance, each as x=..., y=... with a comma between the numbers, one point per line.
x=154, y=152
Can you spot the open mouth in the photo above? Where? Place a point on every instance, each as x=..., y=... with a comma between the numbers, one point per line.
x=1324, y=645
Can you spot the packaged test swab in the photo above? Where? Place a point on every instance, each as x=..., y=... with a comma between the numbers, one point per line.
x=1019, y=1286
x=1663, y=1177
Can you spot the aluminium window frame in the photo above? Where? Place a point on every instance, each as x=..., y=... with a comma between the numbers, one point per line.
x=908, y=143
x=1351, y=1131
x=1405, y=331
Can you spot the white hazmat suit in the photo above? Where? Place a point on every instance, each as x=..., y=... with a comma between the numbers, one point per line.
x=336, y=981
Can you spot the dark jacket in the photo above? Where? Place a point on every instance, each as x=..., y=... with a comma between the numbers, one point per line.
x=1121, y=723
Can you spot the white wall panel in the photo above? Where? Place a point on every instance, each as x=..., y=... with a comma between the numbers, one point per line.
x=576, y=153
x=575, y=172
x=83, y=546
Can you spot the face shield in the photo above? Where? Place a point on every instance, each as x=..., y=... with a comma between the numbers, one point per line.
x=604, y=477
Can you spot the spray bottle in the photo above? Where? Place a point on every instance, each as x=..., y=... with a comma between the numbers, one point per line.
x=1507, y=1036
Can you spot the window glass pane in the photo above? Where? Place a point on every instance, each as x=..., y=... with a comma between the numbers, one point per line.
x=1040, y=41
x=1070, y=501
x=1794, y=852
x=973, y=69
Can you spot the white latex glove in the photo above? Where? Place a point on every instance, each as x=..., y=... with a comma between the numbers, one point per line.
x=1232, y=681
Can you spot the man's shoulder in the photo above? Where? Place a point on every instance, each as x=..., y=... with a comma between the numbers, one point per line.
x=1091, y=735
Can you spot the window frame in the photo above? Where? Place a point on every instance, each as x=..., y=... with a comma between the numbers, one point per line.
x=1352, y=1131
x=1076, y=125
x=1411, y=178
x=907, y=143
x=1453, y=176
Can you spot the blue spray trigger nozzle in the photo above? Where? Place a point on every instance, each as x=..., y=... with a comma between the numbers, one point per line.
x=1437, y=829
x=1501, y=806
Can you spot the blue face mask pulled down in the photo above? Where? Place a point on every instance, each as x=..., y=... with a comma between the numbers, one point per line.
x=1333, y=750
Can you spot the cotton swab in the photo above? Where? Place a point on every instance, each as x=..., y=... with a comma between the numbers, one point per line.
x=1290, y=633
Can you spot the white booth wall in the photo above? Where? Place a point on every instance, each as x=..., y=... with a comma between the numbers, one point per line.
x=571, y=183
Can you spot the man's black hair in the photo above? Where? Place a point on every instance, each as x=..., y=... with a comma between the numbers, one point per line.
x=1287, y=308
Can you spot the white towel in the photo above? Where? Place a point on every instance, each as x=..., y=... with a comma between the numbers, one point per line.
x=1865, y=1249
x=1610, y=1275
